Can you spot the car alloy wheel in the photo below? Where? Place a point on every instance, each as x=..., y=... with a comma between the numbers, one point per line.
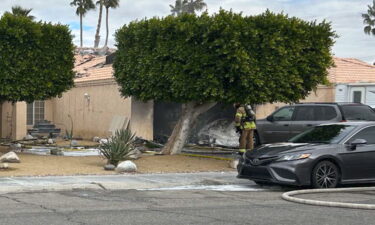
x=325, y=175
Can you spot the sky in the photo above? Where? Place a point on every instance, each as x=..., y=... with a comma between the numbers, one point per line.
x=345, y=16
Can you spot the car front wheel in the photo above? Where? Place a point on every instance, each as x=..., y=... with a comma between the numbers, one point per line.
x=325, y=175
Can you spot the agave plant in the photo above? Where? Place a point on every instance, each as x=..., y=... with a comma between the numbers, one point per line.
x=119, y=146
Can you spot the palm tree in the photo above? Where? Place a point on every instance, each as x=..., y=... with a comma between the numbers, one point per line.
x=97, y=35
x=177, y=8
x=19, y=11
x=187, y=6
x=83, y=6
x=369, y=19
x=190, y=6
x=109, y=4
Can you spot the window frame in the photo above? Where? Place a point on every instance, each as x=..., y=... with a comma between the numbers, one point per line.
x=346, y=140
x=285, y=107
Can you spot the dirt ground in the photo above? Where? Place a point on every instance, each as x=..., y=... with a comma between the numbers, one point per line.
x=38, y=165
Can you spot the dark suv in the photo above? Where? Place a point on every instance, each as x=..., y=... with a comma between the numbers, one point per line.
x=288, y=121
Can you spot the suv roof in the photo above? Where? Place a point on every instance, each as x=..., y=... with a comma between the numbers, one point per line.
x=328, y=103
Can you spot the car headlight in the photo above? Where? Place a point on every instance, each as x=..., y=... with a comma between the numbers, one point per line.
x=294, y=157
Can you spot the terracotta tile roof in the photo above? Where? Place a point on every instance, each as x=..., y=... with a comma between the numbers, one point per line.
x=350, y=70
x=103, y=73
x=347, y=70
x=92, y=67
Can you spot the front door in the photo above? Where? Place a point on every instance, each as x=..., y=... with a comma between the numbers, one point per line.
x=357, y=94
x=360, y=163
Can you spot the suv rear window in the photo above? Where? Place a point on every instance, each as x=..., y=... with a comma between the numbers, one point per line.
x=358, y=112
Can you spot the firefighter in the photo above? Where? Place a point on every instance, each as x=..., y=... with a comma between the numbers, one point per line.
x=245, y=125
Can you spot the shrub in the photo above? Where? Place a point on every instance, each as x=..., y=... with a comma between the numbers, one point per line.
x=118, y=147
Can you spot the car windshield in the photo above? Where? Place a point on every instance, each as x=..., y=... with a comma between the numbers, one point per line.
x=329, y=134
x=355, y=112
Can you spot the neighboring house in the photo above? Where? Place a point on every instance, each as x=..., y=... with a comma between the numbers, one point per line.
x=352, y=80
x=95, y=104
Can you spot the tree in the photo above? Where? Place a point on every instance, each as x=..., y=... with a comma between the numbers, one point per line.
x=109, y=4
x=190, y=6
x=83, y=6
x=97, y=34
x=369, y=19
x=19, y=11
x=31, y=66
x=187, y=6
x=227, y=58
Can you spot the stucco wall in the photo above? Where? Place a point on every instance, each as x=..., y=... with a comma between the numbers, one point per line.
x=322, y=94
x=93, y=113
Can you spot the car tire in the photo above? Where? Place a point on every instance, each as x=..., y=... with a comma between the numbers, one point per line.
x=325, y=175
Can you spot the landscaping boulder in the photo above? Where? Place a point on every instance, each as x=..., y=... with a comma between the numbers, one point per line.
x=56, y=151
x=50, y=141
x=74, y=143
x=10, y=157
x=126, y=167
x=109, y=167
x=135, y=154
x=4, y=166
x=29, y=137
x=233, y=164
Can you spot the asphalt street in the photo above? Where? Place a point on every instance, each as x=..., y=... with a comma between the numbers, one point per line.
x=169, y=207
x=201, y=198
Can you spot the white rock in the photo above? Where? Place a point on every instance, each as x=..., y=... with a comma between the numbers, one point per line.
x=10, y=157
x=4, y=166
x=135, y=154
x=233, y=164
x=126, y=167
x=28, y=137
x=50, y=141
x=103, y=141
x=96, y=139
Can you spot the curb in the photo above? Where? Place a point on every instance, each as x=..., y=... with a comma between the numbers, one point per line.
x=288, y=197
x=206, y=156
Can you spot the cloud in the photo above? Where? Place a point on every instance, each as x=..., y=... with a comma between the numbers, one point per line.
x=345, y=16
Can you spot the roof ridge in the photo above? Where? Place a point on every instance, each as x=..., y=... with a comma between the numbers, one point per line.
x=356, y=61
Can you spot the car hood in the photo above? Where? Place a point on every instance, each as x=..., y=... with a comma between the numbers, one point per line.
x=272, y=150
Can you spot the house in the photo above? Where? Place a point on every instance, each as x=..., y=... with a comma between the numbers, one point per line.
x=95, y=106
x=352, y=80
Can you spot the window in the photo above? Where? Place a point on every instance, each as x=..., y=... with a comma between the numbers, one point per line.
x=35, y=112
x=357, y=96
x=284, y=114
x=304, y=113
x=367, y=134
x=358, y=112
x=324, y=113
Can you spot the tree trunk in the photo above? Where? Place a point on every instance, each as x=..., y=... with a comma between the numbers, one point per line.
x=190, y=112
x=97, y=35
x=80, y=20
x=106, y=19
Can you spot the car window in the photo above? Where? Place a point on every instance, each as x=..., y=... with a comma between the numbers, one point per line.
x=367, y=134
x=358, y=112
x=332, y=134
x=304, y=113
x=284, y=114
x=324, y=113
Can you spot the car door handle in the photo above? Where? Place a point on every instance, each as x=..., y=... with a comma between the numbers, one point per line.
x=286, y=125
x=309, y=125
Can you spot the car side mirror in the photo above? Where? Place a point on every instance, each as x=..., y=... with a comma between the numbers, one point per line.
x=356, y=142
x=270, y=118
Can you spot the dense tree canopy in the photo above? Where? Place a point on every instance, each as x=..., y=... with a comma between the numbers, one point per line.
x=36, y=59
x=225, y=58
